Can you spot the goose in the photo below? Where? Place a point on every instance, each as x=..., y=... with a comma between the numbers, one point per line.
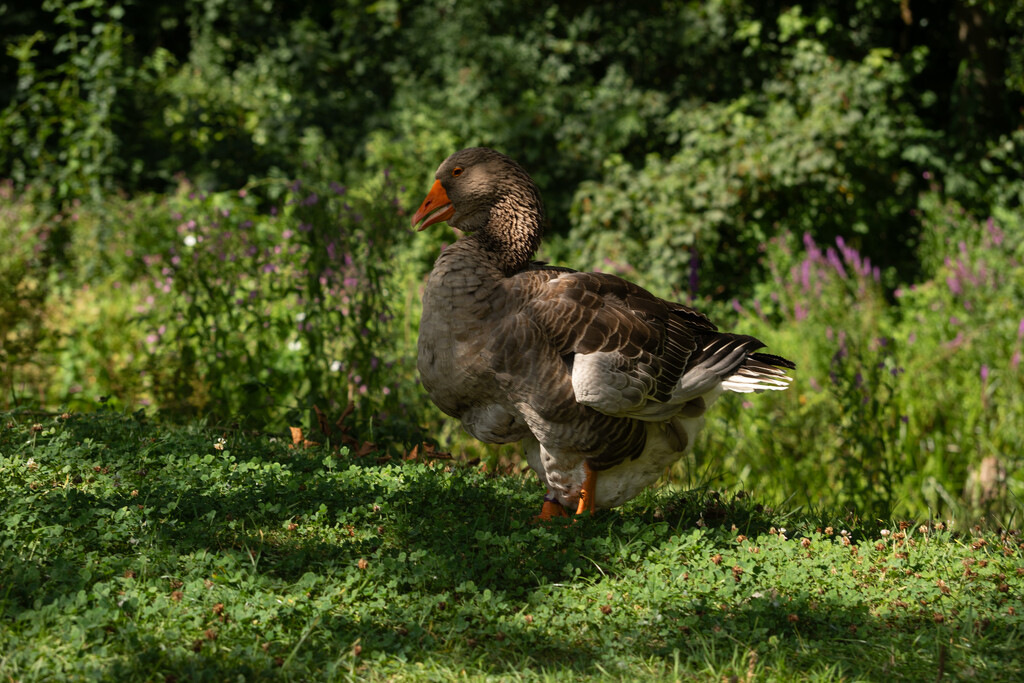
x=604, y=383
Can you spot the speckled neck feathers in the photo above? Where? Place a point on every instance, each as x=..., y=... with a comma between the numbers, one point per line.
x=496, y=203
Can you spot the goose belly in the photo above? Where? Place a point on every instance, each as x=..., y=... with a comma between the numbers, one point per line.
x=563, y=473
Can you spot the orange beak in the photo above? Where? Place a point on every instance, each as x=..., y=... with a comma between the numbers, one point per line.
x=435, y=208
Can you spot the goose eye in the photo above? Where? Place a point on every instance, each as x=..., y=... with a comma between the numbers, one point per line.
x=456, y=172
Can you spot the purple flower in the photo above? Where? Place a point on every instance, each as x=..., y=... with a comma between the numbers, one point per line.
x=736, y=306
x=955, y=288
x=337, y=188
x=833, y=259
x=805, y=275
x=984, y=373
x=994, y=232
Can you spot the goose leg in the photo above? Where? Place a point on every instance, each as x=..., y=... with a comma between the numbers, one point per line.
x=551, y=508
x=587, y=492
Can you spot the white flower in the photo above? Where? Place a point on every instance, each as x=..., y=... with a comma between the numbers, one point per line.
x=190, y=240
x=335, y=365
x=295, y=345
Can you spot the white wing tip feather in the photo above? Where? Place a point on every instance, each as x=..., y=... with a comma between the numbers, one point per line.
x=745, y=383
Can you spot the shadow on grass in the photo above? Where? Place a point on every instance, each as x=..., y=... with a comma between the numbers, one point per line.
x=431, y=563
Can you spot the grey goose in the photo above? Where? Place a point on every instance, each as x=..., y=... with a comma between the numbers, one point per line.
x=604, y=383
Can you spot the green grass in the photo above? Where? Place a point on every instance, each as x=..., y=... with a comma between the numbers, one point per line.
x=132, y=551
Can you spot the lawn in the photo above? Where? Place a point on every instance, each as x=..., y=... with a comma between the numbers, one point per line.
x=137, y=551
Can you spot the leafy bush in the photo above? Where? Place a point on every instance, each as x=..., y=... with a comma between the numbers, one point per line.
x=274, y=299
x=825, y=147
x=908, y=406
x=252, y=306
x=60, y=124
x=23, y=291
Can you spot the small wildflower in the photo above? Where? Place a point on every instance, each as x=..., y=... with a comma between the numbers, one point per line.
x=219, y=443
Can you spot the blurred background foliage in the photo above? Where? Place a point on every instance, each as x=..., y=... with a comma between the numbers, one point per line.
x=205, y=203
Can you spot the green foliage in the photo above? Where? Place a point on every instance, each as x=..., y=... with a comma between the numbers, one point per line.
x=23, y=289
x=60, y=124
x=270, y=311
x=904, y=407
x=251, y=306
x=822, y=148
x=678, y=143
x=138, y=552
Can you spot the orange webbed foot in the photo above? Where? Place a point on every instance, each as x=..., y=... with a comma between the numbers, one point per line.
x=551, y=509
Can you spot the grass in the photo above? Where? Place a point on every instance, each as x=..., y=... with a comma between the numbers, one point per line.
x=133, y=551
